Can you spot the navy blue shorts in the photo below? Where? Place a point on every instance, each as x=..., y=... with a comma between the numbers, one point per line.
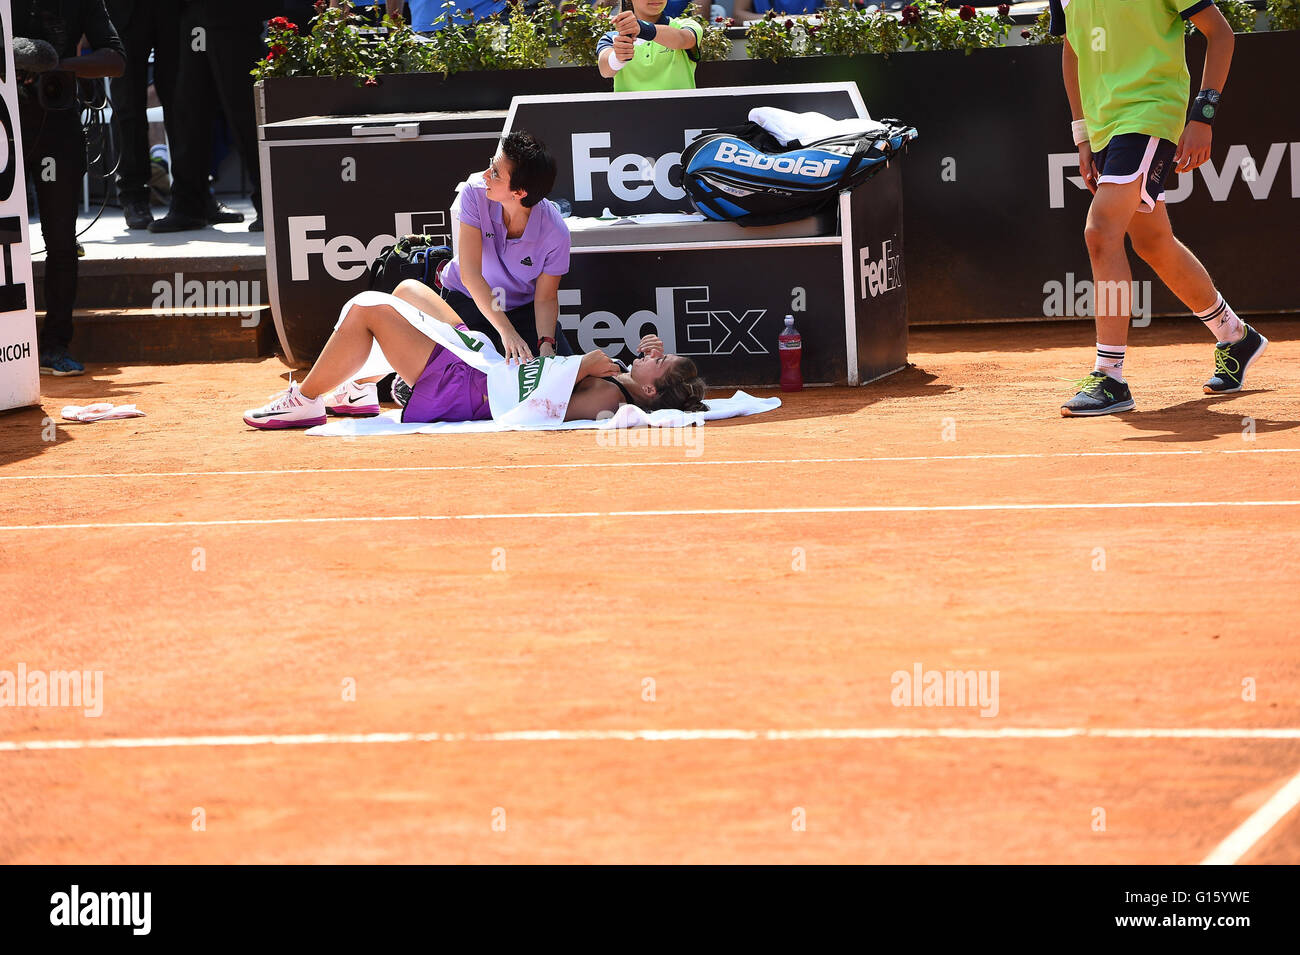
x=1130, y=156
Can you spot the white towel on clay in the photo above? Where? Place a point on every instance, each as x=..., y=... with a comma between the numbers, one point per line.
x=102, y=411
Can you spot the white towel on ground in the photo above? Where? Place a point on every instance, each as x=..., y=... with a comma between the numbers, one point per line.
x=101, y=411
x=627, y=416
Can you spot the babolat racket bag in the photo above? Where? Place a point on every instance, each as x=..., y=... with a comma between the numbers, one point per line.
x=744, y=174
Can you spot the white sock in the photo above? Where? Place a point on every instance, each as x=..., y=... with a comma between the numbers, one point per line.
x=1110, y=359
x=1222, y=321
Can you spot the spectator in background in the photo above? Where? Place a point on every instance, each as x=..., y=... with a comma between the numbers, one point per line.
x=219, y=43
x=425, y=13
x=746, y=10
x=145, y=26
x=647, y=51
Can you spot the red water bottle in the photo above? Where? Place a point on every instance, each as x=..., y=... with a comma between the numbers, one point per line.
x=790, y=345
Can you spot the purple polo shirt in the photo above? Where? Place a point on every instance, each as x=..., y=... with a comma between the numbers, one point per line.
x=510, y=264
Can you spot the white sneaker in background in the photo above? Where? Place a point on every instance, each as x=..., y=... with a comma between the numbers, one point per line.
x=354, y=398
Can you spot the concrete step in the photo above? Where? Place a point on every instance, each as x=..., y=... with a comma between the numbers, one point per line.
x=148, y=335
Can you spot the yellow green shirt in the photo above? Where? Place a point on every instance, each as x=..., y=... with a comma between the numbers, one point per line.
x=654, y=66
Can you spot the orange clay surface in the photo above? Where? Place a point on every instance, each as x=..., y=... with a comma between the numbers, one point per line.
x=252, y=633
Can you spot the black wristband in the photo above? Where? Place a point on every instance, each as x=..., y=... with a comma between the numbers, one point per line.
x=645, y=30
x=1204, y=107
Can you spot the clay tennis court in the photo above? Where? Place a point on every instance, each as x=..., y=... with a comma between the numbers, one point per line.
x=501, y=602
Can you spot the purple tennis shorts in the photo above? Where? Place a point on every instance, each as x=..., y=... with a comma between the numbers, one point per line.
x=448, y=390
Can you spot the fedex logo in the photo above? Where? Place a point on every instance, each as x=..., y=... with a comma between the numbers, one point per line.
x=629, y=176
x=682, y=316
x=879, y=276
x=733, y=154
x=346, y=257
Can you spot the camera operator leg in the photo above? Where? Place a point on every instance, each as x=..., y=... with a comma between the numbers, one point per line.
x=144, y=26
x=238, y=45
x=190, y=129
x=55, y=156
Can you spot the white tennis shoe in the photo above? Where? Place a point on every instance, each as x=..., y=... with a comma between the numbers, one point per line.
x=289, y=409
x=354, y=398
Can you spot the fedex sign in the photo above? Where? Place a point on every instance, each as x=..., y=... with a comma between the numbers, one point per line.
x=627, y=176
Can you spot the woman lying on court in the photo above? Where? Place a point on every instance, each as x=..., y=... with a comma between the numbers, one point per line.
x=459, y=376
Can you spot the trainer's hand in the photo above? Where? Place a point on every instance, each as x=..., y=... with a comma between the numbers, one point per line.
x=651, y=345
x=599, y=365
x=624, y=47
x=516, y=348
x=1194, y=147
x=625, y=24
x=1088, y=168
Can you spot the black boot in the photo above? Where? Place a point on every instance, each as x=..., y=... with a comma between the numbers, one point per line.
x=137, y=213
x=219, y=212
x=177, y=222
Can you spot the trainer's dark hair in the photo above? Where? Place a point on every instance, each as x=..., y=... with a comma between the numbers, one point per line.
x=534, y=166
x=681, y=387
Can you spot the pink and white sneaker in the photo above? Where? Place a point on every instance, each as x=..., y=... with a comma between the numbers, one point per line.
x=289, y=409
x=358, y=399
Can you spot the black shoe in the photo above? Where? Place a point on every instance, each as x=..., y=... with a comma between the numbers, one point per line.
x=255, y=225
x=137, y=213
x=1231, y=359
x=401, y=391
x=177, y=222
x=220, y=212
x=1098, y=394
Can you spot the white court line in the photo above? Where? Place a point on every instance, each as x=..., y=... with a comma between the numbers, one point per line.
x=694, y=462
x=692, y=512
x=652, y=736
x=1242, y=839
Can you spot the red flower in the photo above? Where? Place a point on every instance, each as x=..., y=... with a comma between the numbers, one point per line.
x=1025, y=34
x=371, y=81
x=770, y=15
x=911, y=15
x=789, y=24
x=322, y=5
x=279, y=49
x=719, y=19
x=731, y=21
x=1004, y=9
x=967, y=12
x=280, y=23
x=270, y=56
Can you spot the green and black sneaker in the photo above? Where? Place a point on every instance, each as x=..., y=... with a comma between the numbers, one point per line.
x=1231, y=359
x=1099, y=394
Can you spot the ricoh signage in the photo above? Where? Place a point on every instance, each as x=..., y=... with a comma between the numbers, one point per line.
x=627, y=160
x=19, y=365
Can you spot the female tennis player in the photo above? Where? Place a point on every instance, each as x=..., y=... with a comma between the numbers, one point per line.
x=446, y=388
